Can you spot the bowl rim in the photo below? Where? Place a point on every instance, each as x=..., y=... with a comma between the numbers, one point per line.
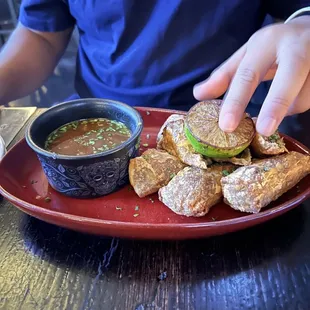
x=56, y=156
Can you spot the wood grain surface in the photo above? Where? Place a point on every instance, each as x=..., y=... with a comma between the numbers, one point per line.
x=46, y=267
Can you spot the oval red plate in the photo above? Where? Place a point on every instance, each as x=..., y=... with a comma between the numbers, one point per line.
x=124, y=214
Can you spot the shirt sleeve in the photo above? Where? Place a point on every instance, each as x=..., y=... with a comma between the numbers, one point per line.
x=282, y=9
x=46, y=15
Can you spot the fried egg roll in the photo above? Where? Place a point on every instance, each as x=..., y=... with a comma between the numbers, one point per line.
x=172, y=139
x=243, y=159
x=251, y=188
x=267, y=146
x=193, y=191
x=153, y=170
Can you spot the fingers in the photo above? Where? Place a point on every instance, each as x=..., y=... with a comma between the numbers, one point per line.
x=277, y=53
x=217, y=84
x=271, y=73
x=302, y=102
x=251, y=71
x=290, y=77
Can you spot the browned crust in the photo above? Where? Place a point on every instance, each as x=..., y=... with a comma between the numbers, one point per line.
x=172, y=139
x=151, y=171
x=251, y=188
x=194, y=191
x=262, y=146
x=243, y=159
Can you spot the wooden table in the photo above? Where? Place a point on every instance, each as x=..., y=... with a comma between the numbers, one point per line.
x=46, y=267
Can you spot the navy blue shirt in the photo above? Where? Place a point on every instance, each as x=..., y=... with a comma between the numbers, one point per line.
x=152, y=52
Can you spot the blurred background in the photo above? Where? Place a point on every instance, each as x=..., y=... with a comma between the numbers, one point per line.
x=61, y=84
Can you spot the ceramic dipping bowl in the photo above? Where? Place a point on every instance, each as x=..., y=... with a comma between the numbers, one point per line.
x=90, y=175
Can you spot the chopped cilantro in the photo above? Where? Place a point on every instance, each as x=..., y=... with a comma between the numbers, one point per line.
x=225, y=173
x=273, y=138
x=74, y=125
x=172, y=175
x=146, y=157
x=145, y=145
x=63, y=129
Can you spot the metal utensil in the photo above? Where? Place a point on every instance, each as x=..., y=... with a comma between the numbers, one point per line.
x=2, y=148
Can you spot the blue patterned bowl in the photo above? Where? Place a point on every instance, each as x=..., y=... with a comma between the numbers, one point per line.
x=91, y=175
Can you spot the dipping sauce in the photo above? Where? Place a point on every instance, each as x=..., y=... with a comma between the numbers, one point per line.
x=86, y=137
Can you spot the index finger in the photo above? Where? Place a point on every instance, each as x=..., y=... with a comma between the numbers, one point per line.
x=219, y=80
x=249, y=74
x=290, y=77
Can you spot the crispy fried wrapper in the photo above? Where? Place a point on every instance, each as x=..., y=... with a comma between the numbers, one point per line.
x=267, y=146
x=172, y=139
x=153, y=170
x=193, y=191
x=251, y=188
x=243, y=159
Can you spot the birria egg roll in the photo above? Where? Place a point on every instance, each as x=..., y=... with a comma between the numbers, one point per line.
x=243, y=159
x=251, y=188
x=153, y=170
x=193, y=191
x=267, y=146
x=172, y=139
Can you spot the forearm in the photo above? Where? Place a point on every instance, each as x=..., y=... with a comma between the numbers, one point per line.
x=27, y=60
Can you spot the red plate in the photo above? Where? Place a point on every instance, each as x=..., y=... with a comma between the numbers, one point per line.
x=123, y=214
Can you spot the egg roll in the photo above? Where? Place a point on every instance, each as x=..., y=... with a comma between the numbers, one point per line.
x=267, y=146
x=153, y=170
x=193, y=191
x=251, y=188
x=243, y=159
x=172, y=139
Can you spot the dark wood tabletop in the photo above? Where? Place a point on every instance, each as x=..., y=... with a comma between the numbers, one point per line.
x=266, y=267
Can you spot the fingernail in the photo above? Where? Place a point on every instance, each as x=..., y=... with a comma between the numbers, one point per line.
x=197, y=91
x=228, y=122
x=211, y=76
x=197, y=86
x=267, y=126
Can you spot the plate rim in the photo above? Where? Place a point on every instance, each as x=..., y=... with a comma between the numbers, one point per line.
x=285, y=206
